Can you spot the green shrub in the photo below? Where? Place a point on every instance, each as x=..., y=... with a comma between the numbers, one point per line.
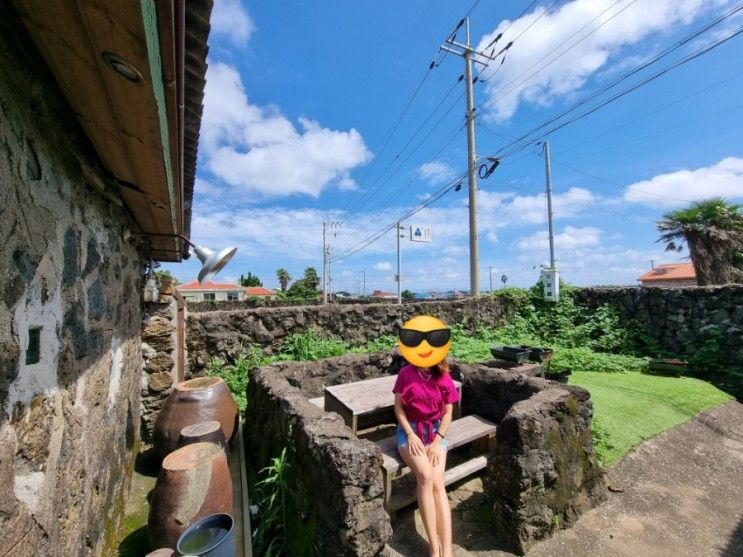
x=235, y=374
x=585, y=359
x=309, y=346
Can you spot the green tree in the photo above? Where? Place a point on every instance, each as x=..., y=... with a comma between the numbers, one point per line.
x=305, y=288
x=284, y=278
x=250, y=280
x=713, y=231
x=407, y=295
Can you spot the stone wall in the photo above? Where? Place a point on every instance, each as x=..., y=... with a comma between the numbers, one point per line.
x=69, y=422
x=158, y=361
x=542, y=475
x=680, y=320
x=222, y=333
x=336, y=488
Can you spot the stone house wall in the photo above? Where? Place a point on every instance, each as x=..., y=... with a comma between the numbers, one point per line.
x=222, y=333
x=680, y=320
x=158, y=361
x=542, y=475
x=69, y=422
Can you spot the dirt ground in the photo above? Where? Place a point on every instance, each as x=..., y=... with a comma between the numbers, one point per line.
x=678, y=494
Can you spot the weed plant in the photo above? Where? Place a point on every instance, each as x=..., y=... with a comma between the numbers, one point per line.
x=310, y=346
x=273, y=492
x=236, y=374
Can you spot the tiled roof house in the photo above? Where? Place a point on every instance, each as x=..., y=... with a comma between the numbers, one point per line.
x=209, y=291
x=670, y=275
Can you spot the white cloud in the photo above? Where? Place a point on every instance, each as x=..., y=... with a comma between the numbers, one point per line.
x=553, y=34
x=436, y=172
x=382, y=266
x=231, y=19
x=569, y=239
x=267, y=231
x=259, y=151
x=499, y=210
x=724, y=179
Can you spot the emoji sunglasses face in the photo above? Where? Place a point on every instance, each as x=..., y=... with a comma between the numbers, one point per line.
x=424, y=341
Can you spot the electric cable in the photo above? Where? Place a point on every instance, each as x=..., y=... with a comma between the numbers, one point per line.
x=694, y=55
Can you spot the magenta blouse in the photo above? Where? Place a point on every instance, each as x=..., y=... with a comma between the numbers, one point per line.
x=423, y=399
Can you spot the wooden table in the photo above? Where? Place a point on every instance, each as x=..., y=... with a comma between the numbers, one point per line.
x=367, y=403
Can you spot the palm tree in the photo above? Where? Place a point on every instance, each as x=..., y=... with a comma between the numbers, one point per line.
x=713, y=231
x=284, y=278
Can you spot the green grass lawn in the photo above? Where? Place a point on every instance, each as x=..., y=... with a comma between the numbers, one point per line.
x=631, y=407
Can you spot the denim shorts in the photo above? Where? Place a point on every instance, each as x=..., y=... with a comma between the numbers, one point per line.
x=402, y=437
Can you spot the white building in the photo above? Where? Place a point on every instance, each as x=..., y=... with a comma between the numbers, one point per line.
x=209, y=291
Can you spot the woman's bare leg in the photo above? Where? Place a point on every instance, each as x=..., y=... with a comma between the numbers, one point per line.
x=443, y=511
x=424, y=475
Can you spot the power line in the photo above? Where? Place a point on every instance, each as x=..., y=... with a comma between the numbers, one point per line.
x=509, y=91
x=350, y=206
x=633, y=87
x=373, y=238
x=376, y=185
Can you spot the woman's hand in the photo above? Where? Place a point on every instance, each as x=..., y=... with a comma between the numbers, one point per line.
x=416, y=445
x=434, y=451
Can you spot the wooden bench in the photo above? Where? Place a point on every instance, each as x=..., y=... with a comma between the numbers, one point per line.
x=470, y=429
x=368, y=403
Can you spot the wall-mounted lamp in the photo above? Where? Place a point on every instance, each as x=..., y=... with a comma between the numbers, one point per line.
x=212, y=262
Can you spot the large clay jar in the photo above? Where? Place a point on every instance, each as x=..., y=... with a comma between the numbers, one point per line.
x=193, y=401
x=204, y=432
x=194, y=482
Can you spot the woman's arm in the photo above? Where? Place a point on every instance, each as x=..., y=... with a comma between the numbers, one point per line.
x=414, y=442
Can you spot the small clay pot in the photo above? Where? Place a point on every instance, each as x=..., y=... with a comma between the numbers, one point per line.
x=193, y=401
x=194, y=482
x=203, y=432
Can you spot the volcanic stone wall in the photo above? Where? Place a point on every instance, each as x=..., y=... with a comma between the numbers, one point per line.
x=69, y=322
x=225, y=333
x=680, y=320
x=334, y=477
x=542, y=475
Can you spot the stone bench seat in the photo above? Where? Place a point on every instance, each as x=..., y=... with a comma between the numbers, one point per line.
x=470, y=429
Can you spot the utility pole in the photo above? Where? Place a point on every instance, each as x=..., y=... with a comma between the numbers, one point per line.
x=550, y=276
x=326, y=257
x=398, y=277
x=549, y=203
x=470, y=56
x=364, y=290
x=490, y=269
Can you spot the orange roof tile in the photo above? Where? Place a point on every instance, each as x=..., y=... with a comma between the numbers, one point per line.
x=258, y=291
x=670, y=271
x=208, y=285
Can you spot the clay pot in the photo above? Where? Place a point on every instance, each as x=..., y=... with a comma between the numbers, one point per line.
x=194, y=482
x=193, y=401
x=203, y=432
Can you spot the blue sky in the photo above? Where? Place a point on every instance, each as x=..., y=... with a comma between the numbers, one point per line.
x=301, y=98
